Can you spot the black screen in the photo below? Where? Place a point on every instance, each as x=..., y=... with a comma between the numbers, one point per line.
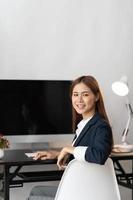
x=35, y=107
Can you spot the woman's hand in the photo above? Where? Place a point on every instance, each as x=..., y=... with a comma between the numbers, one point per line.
x=64, y=154
x=44, y=155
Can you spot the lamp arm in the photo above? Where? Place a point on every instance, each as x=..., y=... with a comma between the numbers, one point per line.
x=130, y=116
x=130, y=109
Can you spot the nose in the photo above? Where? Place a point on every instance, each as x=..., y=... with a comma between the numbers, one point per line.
x=80, y=98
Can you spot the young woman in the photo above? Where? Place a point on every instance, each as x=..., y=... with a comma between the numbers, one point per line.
x=93, y=141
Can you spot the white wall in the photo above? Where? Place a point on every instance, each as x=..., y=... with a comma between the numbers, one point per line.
x=63, y=39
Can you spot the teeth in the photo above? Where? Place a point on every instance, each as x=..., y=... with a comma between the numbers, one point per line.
x=80, y=106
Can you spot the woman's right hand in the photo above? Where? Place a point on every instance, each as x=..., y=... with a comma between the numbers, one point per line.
x=44, y=155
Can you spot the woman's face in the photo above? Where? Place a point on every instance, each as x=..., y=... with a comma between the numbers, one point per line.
x=83, y=100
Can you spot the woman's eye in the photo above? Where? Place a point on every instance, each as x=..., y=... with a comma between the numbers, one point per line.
x=86, y=94
x=75, y=94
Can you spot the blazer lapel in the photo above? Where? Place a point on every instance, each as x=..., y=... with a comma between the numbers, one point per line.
x=87, y=126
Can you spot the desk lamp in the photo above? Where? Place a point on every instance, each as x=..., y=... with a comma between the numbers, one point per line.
x=121, y=89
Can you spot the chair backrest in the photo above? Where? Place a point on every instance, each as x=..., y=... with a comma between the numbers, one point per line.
x=88, y=181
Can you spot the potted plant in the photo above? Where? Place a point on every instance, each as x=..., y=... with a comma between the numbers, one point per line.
x=4, y=143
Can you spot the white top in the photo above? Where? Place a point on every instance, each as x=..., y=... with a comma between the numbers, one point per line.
x=79, y=152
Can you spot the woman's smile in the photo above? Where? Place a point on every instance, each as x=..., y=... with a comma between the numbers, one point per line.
x=80, y=106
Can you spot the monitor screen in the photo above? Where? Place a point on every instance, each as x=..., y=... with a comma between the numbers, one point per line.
x=31, y=107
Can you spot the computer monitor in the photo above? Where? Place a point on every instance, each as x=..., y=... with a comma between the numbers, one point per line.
x=35, y=108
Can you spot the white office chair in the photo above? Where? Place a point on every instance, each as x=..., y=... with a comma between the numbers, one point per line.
x=88, y=181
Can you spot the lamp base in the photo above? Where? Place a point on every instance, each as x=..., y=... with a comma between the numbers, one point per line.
x=122, y=148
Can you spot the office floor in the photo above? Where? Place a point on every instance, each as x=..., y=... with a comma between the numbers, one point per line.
x=22, y=193
x=126, y=194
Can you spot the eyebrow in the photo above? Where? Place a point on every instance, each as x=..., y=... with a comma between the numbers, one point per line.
x=81, y=92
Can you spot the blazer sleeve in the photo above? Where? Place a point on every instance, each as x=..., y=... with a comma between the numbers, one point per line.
x=101, y=148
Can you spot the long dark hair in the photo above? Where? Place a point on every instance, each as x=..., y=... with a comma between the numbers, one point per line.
x=92, y=83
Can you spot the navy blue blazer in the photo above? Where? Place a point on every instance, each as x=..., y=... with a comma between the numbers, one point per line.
x=97, y=136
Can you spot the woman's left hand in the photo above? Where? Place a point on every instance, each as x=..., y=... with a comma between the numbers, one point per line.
x=63, y=156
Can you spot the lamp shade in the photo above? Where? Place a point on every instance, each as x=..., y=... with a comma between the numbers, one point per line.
x=121, y=87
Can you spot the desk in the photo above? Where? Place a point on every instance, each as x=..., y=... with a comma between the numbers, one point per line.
x=123, y=177
x=17, y=159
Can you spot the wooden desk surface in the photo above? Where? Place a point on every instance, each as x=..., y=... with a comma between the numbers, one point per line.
x=122, y=156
